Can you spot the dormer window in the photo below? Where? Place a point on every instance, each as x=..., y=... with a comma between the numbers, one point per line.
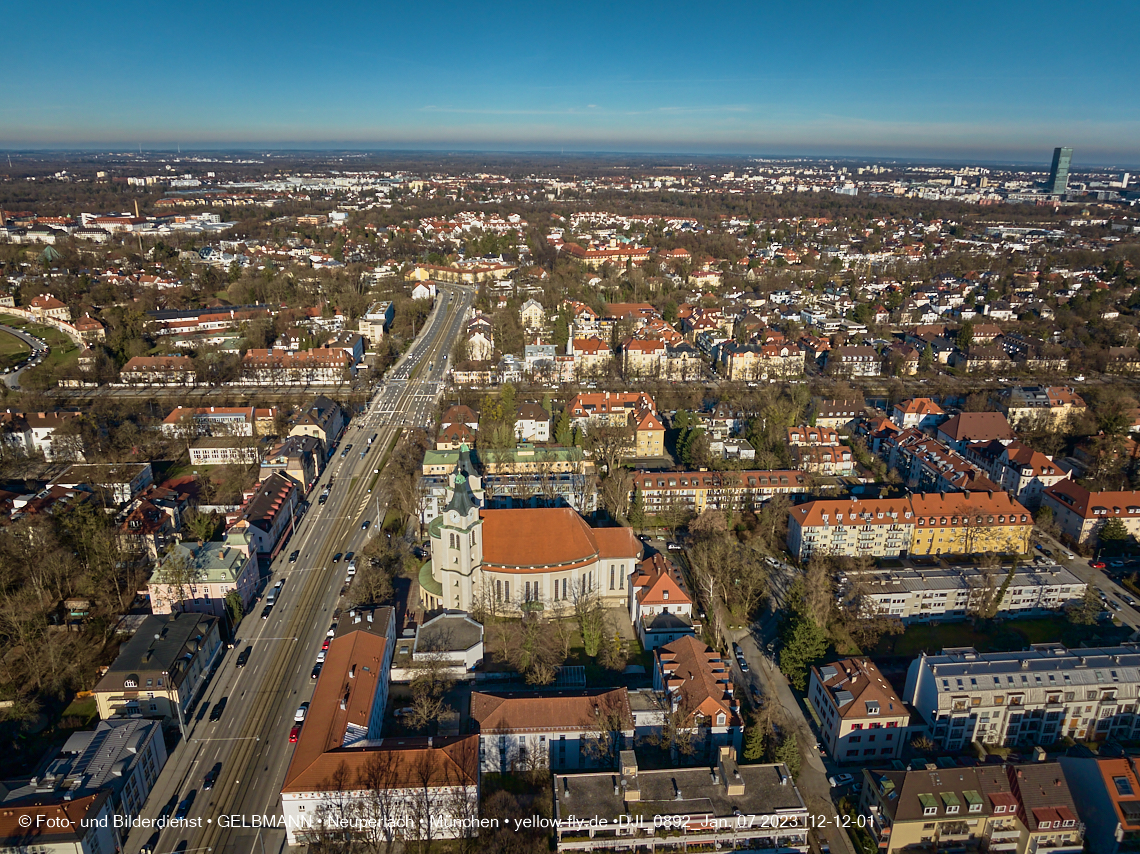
x=130, y=683
x=999, y=808
x=1045, y=825
x=930, y=810
x=720, y=719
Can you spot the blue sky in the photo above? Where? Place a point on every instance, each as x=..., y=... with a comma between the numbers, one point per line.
x=976, y=81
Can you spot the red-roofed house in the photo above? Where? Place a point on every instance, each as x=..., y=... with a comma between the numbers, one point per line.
x=522, y=730
x=698, y=684
x=920, y=412
x=659, y=604
x=46, y=305
x=1081, y=514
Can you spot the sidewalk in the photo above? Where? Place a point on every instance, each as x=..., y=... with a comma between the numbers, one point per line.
x=812, y=781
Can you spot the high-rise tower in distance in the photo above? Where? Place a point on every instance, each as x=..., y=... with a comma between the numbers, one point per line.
x=1059, y=174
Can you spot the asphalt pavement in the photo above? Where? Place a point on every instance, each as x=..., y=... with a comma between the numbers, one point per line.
x=251, y=737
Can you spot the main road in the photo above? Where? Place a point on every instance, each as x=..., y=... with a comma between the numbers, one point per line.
x=249, y=743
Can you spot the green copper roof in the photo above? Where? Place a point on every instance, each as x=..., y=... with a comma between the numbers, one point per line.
x=428, y=583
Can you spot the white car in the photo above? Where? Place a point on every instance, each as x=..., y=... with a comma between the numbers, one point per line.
x=840, y=780
x=321, y=656
x=302, y=710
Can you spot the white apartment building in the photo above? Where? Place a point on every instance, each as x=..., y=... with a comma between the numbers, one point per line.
x=1025, y=698
x=947, y=593
x=861, y=717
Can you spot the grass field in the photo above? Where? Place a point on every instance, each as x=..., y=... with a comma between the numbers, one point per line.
x=997, y=636
x=12, y=349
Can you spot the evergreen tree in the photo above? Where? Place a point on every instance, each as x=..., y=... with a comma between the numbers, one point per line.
x=788, y=752
x=754, y=743
x=637, y=511
x=564, y=431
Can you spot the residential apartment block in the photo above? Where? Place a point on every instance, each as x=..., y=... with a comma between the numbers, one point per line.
x=725, y=806
x=1018, y=469
x=1106, y=790
x=919, y=524
x=161, y=669
x=1042, y=406
x=1015, y=808
x=216, y=421
x=159, y=370
x=1080, y=513
x=861, y=717
x=923, y=594
x=325, y=365
x=718, y=490
x=1024, y=698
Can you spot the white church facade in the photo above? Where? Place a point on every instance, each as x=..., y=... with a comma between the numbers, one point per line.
x=520, y=559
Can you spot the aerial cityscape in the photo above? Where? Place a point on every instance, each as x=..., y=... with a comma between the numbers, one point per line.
x=493, y=444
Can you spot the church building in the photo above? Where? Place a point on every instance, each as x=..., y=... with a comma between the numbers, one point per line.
x=528, y=559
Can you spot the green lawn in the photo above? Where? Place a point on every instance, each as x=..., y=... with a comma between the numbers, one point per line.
x=63, y=349
x=12, y=349
x=996, y=636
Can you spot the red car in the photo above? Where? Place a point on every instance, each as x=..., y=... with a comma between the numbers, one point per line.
x=293, y=733
x=1096, y=564
x=326, y=644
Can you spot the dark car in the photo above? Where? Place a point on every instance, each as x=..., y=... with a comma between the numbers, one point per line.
x=348, y=556
x=293, y=557
x=365, y=524
x=418, y=552
x=337, y=557
x=185, y=804
x=265, y=612
x=316, y=670
x=243, y=659
x=211, y=777
x=219, y=707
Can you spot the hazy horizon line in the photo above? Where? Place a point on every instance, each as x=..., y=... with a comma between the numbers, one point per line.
x=127, y=149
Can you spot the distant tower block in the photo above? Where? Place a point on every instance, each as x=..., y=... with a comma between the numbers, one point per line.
x=1059, y=173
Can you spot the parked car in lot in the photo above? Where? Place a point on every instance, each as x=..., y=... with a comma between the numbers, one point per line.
x=840, y=780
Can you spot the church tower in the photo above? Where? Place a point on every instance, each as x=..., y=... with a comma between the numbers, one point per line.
x=457, y=536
